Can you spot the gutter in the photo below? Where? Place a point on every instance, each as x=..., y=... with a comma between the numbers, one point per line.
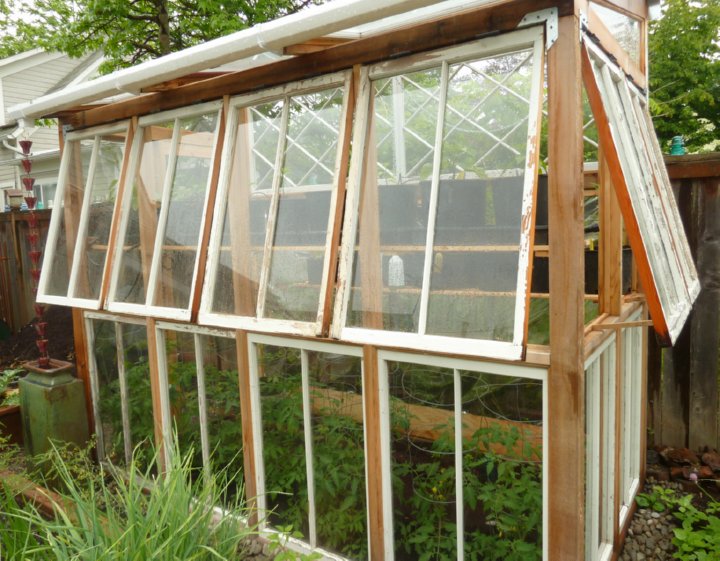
x=273, y=36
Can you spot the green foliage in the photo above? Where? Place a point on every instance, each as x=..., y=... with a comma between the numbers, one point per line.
x=7, y=378
x=684, y=51
x=130, y=32
x=18, y=538
x=117, y=516
x=698, y=537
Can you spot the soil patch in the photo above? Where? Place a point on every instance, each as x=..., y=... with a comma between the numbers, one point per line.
x=20, y=347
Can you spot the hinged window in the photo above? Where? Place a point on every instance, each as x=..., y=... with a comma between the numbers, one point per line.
x=77, y=246
x=652, y=221
x=438, y=230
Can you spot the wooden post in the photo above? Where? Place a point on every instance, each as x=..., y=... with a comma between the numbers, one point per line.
x=248, y=443
x=155, y=390
x=566, y=381
x=610, y=258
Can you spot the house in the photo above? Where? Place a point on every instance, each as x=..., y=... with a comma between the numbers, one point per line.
x=317, y=270
x=24, y=77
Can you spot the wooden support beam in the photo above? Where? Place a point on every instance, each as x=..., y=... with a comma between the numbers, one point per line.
x=566, y=383
x=248, y=442
x=610, y=258
x=621, y=325
x=155, y=389
x=373, y=456
x=443, y=32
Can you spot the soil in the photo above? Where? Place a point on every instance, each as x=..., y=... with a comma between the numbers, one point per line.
x=20, y=347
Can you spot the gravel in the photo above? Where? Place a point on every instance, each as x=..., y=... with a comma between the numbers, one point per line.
x=650, y=535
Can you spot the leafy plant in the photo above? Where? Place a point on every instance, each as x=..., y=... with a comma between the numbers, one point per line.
x=118, y=516
x=7, y=379
x=698, y=537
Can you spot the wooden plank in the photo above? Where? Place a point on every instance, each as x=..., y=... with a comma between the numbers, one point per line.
x=115, y=221
x=634, y=8
x=705, y=327
x=566, y=387
x=632, y=227
x=82, y=370
x=423, y=421
x=248, y=450
x=373, y=454
x=610, y=258
x=449, y=30
x=618, y=459
x=338, y=208
x=155, y=389
x=314, y=45
x=610, y=45
x=692, y=166
x=207, y=220
x=183, y=80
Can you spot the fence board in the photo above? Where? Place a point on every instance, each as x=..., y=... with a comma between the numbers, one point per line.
x=683, y=388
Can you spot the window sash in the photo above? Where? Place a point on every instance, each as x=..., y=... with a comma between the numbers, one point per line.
x=531, y=38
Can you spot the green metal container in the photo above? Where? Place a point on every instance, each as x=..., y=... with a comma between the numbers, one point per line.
x=52, y=402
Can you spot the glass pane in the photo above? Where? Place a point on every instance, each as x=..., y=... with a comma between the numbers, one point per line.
x=142, y=217
x=109, y=400
x=77, y=153
x=423, y=461
x=304, y=206
x=283, y=439
x=394, y=202
x=338, y=453
x=140, y=404
x=501, y=463
x=185, y=210
x=102, y=200
x=222, y=397
x=183, y=392
x=477, y=233
x=625, y=29
x=245, y=216
x=502, y=466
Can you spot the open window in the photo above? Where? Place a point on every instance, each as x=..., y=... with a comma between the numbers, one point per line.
x=271, y=248
x=77, y=247
x=440, y=210
x=651, y=218
x=155, y=269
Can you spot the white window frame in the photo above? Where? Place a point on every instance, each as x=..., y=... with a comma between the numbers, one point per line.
x=457, y=365
x=532, y=37
x=650, y=213
x=161, y=327
x=206, y=315
x=58, y=215
x=147, y=308
x=304, y=346
x=90, y=318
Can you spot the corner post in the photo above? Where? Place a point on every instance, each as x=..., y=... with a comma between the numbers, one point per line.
x=566, y=384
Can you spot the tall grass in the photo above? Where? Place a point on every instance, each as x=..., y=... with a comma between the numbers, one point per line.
x=117, y=517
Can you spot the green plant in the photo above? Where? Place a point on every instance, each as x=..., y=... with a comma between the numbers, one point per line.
x=7, y=378
x=119, y=516
x=698, y=536
x=18, y=538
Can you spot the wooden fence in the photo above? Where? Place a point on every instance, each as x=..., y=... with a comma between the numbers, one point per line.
x=16, y=295
x=683, y=388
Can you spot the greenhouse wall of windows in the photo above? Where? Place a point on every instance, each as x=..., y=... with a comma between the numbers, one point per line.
x=397, y=284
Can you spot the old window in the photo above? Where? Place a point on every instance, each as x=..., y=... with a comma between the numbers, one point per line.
x=270, y=247
x=155, y=268
x=439, y=225
x=77, y=245
x=638, y=172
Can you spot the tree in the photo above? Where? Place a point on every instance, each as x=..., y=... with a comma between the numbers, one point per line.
x=685, y=72
x=129, y=31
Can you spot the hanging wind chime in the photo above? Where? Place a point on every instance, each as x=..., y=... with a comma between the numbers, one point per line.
x=35, y=253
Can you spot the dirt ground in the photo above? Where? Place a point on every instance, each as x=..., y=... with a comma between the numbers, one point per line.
x=20, y=347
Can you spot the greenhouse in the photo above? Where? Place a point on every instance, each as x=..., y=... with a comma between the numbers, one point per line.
x=346, y=255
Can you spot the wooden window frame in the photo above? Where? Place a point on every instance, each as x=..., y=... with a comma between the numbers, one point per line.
x=271, y=325
x=60, y=212
x=147, y=308
x=635, y=163
x=528, y=38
